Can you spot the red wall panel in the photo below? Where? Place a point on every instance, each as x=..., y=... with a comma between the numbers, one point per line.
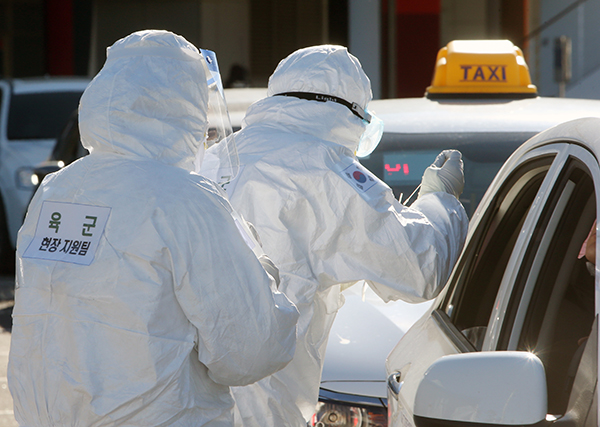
x=59, y=37
x=417, y=44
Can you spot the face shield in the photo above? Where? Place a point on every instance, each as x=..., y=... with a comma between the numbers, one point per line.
x=218, y=161
x=370, y=138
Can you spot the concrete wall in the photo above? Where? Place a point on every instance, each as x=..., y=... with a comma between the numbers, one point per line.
x=463, y=20
x=577, y=20
x=365, y=39
x=219, y=25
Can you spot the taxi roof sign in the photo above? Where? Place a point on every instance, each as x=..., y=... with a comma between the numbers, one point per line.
x=481, y=67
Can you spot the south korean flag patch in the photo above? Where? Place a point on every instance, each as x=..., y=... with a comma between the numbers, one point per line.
x=361, y=179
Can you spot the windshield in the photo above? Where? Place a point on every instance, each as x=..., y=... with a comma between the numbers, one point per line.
x=40, y=115
x=402, y=168
x=68, y=146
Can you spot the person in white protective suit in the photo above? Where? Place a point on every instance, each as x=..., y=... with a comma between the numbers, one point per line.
x=139, y=300
x=326, y=221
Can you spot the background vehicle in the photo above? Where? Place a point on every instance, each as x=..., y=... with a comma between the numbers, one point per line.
x=67, y=149
x=238, y=101
x=32, y=111
x=468, y=107
x=68, y=146
x=486, y=117
x=518, y=298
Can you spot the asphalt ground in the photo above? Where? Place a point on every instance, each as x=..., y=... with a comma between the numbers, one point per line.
x=7, y=287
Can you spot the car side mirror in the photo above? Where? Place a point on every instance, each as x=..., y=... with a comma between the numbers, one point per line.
x=493, y=388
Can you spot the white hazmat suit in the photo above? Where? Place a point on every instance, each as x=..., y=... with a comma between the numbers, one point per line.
x=327, y=221
x=138, y=302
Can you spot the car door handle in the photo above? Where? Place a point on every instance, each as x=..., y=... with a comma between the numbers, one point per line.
x=394, y=383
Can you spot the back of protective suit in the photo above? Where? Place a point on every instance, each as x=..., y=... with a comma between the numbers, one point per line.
x=322, y=231
x=326, y=221
x=138, y=301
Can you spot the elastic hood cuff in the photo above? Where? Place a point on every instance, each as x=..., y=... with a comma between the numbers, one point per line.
x=162, y=51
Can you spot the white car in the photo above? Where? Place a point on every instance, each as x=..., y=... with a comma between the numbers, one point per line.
x=486, y=128
x=32, y=112
x=365, y=329
x=239, y=99
x=513, y=338
x=68, y=146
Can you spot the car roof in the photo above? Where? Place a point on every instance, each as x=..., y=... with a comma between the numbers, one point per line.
x=238, y=101
x=584, y=132
x=486, y=115
x=47, y=84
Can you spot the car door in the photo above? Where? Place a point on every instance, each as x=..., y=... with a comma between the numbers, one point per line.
x=547, y=306
x=512, y=288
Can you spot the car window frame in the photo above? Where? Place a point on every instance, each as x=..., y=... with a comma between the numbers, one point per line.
x=513, y=267
x=567, y=150
x=522, y=296
x=558, y=174
x=586, y=158
x=479, y=230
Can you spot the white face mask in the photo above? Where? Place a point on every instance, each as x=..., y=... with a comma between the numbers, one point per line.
x=371, y=136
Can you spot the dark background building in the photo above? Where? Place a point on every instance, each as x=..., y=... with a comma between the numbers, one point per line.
x=396, y=40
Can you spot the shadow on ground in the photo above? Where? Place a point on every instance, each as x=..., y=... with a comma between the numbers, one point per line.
x=6, y=318
x=7, y=301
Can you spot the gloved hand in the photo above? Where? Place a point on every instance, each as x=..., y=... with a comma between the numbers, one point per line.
x=270, y=268
x=445, y=174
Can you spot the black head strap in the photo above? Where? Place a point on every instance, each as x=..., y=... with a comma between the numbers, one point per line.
x=354, y=107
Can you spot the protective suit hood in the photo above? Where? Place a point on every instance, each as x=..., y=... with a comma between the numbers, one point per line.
x=291, y=115
x=128, y=115
x=140, y=299
x=327, y=70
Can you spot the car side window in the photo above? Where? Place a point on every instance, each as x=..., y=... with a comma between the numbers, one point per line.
x=73, y=148
x=472, y=294
x=551, y=310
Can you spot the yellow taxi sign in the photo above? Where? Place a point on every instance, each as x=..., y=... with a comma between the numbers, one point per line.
x=481, y=67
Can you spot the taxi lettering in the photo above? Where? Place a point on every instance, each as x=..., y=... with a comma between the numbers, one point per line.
x=483, y=73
